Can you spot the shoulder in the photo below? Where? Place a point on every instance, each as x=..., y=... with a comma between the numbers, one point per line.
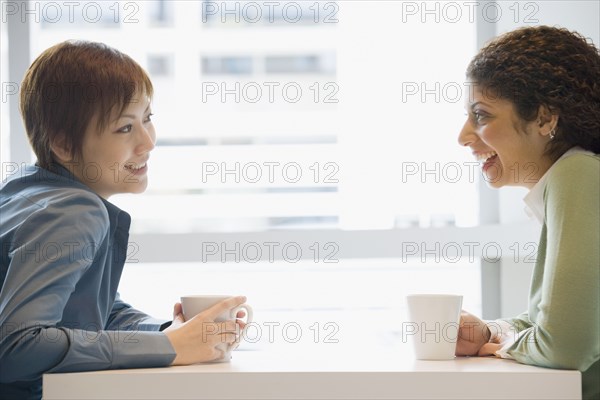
x=43, y=189
x=38, y=206
x=576, y=171
x=576, y=165
x=574, y=184
x=72, y=202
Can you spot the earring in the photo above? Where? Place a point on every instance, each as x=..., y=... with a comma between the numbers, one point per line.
x=552, y=133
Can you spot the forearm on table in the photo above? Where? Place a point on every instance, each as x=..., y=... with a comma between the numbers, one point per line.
x=35, y=350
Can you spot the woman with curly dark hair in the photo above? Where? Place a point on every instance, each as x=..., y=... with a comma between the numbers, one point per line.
x=534, y=121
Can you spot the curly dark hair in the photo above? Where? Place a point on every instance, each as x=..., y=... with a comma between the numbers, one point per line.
x=547, y=66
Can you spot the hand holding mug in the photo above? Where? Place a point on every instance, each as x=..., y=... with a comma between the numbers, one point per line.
x=473, y=334
x=205, y=328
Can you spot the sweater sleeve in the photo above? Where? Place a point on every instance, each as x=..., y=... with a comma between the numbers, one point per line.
x=565, y=332
x=520, y=322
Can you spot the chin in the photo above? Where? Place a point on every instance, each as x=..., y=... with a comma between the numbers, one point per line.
x=495, y=185
x=139, y=190
x=493, y=180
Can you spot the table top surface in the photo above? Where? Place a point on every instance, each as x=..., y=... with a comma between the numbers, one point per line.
x=278, y=360
x=323, y=371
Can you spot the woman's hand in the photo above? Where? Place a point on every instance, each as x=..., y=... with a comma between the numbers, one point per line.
x=198, y=339
x=489, y=349
x=473, y=336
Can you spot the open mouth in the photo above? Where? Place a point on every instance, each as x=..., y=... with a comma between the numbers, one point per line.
x=485, y=157
x=136, y=168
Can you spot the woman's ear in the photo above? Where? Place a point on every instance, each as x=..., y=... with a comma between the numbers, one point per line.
x=60, y=148
x=547, y=121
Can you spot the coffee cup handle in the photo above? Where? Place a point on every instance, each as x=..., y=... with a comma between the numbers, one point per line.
x=247, y=308
x=249, y=316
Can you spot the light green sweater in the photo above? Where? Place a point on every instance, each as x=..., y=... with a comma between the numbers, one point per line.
x=562, y=326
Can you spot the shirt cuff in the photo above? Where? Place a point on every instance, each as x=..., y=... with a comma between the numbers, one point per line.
x=153, y=324
x=165, y=325
x=502, y=332
x=503, y=351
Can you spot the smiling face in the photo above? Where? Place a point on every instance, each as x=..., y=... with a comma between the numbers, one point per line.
x=511, y=150
x=114, y=160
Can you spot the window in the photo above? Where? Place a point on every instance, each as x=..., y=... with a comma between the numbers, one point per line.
x=245, y=14
x=81, y=15
x=161, y=12
x=160, y=66
x=226, y=65
x=309, y=64
x=4, y=108
x=301, y=124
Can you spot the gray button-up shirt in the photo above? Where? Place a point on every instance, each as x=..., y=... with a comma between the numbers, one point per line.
x=62, y=253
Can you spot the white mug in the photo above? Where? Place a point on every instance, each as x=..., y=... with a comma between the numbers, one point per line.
x=433, y=325
x=195, y=304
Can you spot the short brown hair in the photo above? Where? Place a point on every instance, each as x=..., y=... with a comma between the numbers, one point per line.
x=546, y=66
x=71, y=83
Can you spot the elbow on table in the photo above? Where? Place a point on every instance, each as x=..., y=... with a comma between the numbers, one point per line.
x=580, y=361
x=570, y=353
x=21, y=358
x=13, y=367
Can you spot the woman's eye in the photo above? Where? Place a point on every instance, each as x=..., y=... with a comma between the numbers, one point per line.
x=126, y=129
x=149, y=118
x=478, y=117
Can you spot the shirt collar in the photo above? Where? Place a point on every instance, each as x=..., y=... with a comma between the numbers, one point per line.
x=534, y=200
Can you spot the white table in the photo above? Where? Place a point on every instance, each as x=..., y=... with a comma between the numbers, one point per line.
x=323, y=371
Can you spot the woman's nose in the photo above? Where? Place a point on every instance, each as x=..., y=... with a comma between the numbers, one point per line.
x=147, y=140
x=466, y=136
